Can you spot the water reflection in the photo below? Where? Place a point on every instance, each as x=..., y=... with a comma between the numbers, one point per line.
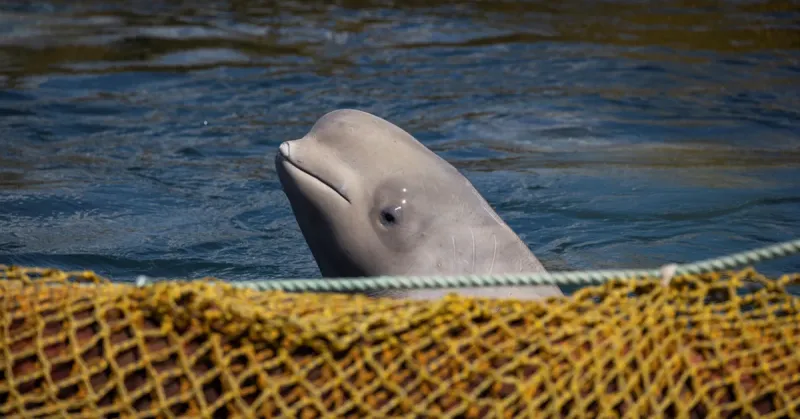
x=610, y=133
x=96, y=36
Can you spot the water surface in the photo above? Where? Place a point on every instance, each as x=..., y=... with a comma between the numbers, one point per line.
x=138, y=138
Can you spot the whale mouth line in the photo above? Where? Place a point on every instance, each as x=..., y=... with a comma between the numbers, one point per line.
x=286, y=161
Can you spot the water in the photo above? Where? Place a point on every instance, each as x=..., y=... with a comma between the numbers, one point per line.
x=139, y=139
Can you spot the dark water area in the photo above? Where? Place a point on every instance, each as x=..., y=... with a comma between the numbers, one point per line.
x=138, y=137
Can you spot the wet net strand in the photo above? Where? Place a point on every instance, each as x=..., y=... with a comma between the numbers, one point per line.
x=556, y=278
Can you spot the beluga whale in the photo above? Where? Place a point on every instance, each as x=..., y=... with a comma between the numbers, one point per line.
x=371, y=200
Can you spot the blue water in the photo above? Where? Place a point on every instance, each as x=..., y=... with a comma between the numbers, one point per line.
x=139, y=139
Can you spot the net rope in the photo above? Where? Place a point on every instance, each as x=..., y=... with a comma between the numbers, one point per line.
x=714, y=344
x=555, y=278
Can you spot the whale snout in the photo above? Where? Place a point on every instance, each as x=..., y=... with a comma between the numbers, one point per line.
x=284, y=149
x=305, y=166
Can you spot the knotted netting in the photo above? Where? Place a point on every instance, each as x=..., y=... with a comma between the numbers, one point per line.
x=722, y=344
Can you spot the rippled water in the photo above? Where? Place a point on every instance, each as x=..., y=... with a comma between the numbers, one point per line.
x=138, y=137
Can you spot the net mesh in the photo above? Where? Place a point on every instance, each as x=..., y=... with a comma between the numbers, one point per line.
x=716, y=345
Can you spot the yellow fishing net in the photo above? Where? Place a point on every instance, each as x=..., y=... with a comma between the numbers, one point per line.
x=722, y=344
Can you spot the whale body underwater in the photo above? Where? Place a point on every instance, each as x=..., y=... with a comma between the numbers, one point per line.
x=371, y=200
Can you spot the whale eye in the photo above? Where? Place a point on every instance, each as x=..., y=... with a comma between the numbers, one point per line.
x=390, y=216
